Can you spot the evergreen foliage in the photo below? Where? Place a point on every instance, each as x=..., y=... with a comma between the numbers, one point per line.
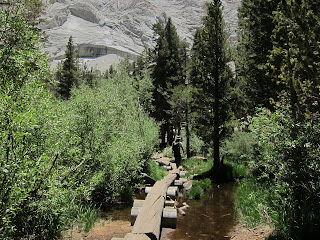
x=68, y=77
x=255, y=43
x=210, y=75
x=287, y=134
x=167, y=73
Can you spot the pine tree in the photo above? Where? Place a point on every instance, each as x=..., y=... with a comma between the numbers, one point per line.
x=69, y=74
x=295, y=55
x=255, y=43
x=167, y=74
x=211, y=75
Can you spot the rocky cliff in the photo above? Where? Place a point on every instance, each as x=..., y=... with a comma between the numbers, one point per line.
x=108, y=30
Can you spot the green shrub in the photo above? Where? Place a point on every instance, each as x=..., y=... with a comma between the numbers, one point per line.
x=155, y=171
x=286, y=171
x=167, y=152
x=198, y=188
x=197, y=166
x=196, y=192
x=240, y=147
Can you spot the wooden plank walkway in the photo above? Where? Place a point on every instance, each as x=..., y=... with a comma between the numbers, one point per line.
x=148, y=223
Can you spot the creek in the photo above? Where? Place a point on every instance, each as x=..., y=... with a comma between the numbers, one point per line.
x=210, y=218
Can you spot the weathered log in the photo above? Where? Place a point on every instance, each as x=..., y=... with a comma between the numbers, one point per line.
x=147, y=179
x=136, y=236
x=149, y=218
x=163, y=163
x=171, y=191
x=173, y=165
x=188, y=185
x=180, y=181
x=184, y=208
x=169, y=203
x=139, y=203
x=181, y=212
x=169, y=216
x=182, y=173
x=168, y=167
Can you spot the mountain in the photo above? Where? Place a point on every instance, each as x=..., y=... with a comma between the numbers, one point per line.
x=106, y=31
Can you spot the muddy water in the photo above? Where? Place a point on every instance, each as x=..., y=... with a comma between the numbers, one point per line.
x=211, y=218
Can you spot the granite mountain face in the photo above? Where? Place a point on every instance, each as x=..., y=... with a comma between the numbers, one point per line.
x=106, y=31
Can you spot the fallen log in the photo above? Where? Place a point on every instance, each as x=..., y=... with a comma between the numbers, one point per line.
x=181, y=212
x=188, y=185
x=180, y=182
x=163, y=163
x=168, y=167
x=147, y=179
x=173, y=165
x=139, y=203
x=148, y=222
x=169, y=216
x=171, y=191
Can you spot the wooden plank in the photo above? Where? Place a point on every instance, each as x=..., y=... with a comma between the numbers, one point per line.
x=134, y=236
x=149, y=219
x=162, y=163
x=173, y=165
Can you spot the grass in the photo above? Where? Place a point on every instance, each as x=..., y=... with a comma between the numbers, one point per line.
x=196, y=166
x=167, y=152
x=155, y=171
x=253, y=203
x=198, y=188
x=87, y=217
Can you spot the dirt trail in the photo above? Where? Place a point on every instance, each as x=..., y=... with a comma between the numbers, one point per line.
x=102, y=230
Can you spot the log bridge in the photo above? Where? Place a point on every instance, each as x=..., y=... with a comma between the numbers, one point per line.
x=149, y=217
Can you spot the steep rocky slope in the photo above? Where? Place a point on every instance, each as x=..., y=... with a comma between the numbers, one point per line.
x=106, y=30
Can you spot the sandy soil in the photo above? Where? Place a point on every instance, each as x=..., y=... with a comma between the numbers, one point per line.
x=258, y=233
x=103, y=230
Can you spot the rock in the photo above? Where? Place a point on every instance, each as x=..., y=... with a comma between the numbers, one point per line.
x=122, y=27
x=188, y=185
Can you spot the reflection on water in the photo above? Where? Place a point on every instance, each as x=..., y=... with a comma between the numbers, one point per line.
x=211, y=218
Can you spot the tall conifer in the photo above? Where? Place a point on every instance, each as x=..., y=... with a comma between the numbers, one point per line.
x=69, y=74
x=255, y=43
x=167, y=74
x=211, y=75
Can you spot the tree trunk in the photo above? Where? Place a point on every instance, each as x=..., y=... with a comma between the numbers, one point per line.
x=187, y=135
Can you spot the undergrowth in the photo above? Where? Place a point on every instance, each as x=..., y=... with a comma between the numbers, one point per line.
x=155, y=171
x=199, y=188
x=196, y=166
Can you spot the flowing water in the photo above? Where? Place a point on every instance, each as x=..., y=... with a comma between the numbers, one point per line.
x=211, y=218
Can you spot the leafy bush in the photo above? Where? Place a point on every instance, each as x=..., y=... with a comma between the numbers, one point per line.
x=241, y=146
x=287, y=165
x=58, y=157
x=197, y=166
x=155, y=171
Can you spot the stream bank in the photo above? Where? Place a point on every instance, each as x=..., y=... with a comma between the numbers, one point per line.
x=210, y=218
